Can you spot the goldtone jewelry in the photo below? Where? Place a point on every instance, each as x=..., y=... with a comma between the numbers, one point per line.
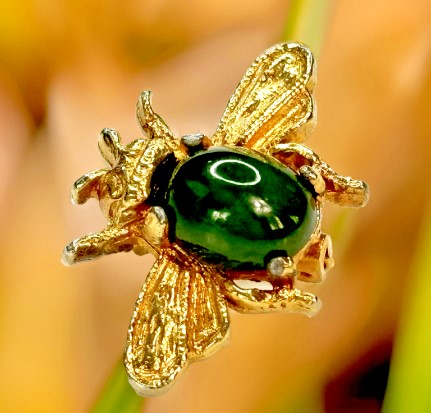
x=243, y=204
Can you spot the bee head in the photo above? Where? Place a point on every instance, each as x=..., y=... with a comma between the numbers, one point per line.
x=108, y=184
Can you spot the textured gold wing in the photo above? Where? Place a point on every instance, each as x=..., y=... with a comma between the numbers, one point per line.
x=273, y=102
x=208, y=318
x=180, y=315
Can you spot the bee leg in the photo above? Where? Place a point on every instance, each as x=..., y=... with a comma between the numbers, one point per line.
x=284, y=299
x=108, y=241
x=151, y=123
x=87, y=186
x=339, y=189
x=145, y=234
x=195, y=143
x=317, y=260
x=154, y=126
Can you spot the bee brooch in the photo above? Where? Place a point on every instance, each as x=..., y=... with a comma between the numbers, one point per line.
x=243, y=204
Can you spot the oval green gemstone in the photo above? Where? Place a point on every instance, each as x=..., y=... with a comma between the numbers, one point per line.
x=238, y=209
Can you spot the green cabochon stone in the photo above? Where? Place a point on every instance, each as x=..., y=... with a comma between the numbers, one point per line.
x=238, y=209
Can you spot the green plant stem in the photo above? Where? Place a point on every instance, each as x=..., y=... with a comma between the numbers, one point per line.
x=306, y=23
x=409, y=387
x=118, y=396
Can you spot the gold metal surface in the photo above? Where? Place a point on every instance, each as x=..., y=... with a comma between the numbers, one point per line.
x=273, y=102
x=181, y=314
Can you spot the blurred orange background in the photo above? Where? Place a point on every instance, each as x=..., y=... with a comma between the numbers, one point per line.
x=70, y=68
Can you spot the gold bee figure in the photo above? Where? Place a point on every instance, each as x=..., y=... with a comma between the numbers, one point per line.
x=243, y=204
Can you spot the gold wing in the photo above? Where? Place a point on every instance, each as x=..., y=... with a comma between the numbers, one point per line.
x=273, y=102
x=180, y=316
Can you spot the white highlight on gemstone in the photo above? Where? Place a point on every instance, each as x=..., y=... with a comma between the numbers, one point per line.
x=220, y=215
x=260, y=207
x=213, y=171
